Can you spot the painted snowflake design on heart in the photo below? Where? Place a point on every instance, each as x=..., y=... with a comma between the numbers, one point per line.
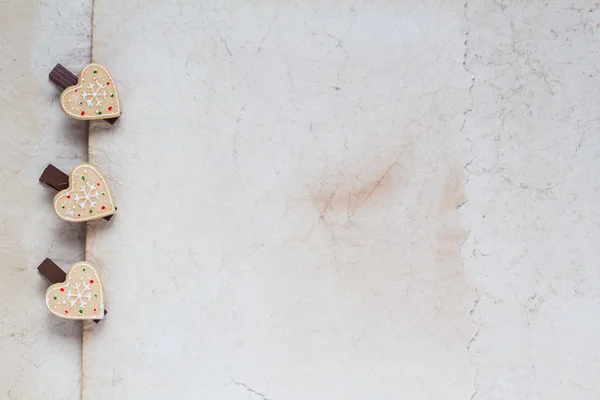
x=87, y=196
x=80, y=295
x=94, y=95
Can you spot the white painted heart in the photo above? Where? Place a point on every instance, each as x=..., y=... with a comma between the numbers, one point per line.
x=80, y=296
x=87, y=197
x=94, y=97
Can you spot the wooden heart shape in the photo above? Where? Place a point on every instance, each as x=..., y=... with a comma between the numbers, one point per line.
x=80, y=296
x=87, y=197
x=94, y=97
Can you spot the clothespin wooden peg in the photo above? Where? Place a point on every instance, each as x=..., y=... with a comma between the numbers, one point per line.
x=83, y=194
x=76, y=294
x=90, y=95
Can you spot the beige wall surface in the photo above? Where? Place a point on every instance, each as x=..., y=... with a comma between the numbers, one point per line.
x=40, y=355
x=533, y=191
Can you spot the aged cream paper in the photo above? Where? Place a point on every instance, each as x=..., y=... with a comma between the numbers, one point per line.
x=287, y=178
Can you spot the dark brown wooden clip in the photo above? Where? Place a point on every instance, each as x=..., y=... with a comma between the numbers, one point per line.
x=63, y=78
x=58, y=180
x=55, y=178
x=55, y=274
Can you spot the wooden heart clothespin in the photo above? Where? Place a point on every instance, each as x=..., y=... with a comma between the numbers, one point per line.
x=90, y=95
x=76, y=294
x=83, y=194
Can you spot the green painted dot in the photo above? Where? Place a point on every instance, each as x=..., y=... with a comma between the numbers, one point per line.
x=112, y=95
x=90, y=211
x=95, y=71
x=99, y=112
x=84, y=270
x=54, y=298
x=83, y=177
x=80, y=311
x=95, y=295
x=63, y=206
x=81, y=102
x=103, y=193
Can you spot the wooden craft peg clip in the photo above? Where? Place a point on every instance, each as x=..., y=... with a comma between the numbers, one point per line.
x=83, y=195
x=88, y=96
x=76, y=294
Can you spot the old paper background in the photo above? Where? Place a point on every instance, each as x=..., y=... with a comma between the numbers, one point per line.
x=287, y=177
x=294, y=204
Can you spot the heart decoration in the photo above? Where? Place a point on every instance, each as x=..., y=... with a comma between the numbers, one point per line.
x=94, y=97
x=87, y=197
x=80, y=296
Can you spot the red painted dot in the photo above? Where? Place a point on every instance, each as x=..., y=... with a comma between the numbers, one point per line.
x=98, y=184
x=75, y=90
x=83, y=113
x=94, y=309
x=79, y=215
x=91, y=281
x=109, y=108
x=66, y=311
x=107, y=83
x=68, y=197
x=62, y=289
x=103, y=207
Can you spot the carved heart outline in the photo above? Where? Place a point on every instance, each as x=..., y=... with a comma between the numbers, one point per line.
x=81, y=214
x=80, y=297
x=70, y=98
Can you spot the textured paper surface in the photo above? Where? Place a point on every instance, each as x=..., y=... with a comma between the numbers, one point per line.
x=40, y=354
x=287, y=178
